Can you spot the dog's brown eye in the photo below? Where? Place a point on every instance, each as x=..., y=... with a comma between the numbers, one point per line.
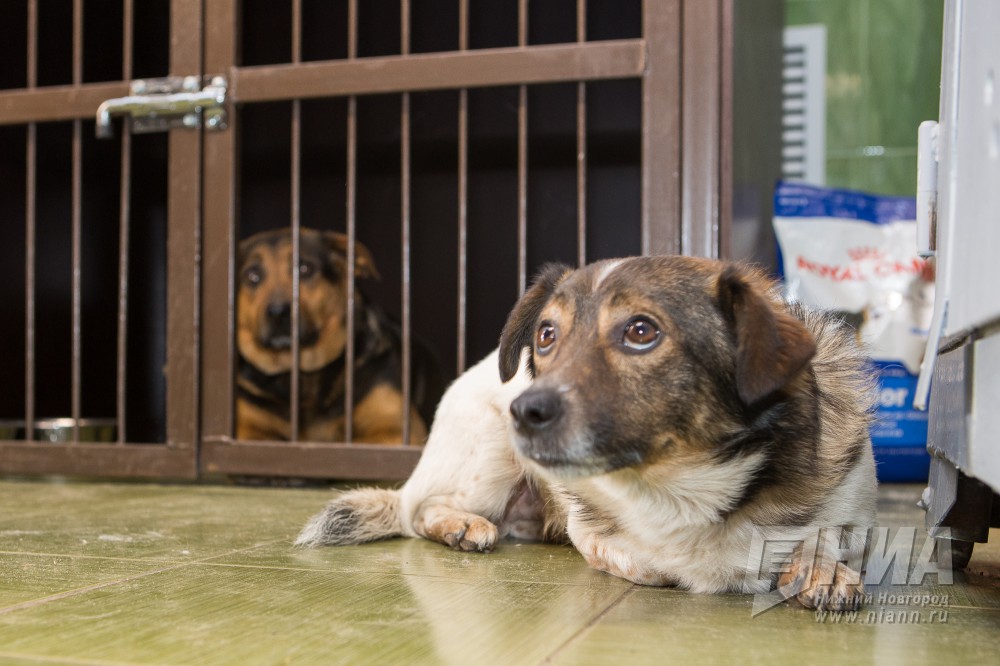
x=545, y=338
x=307, y=269
x=641, y=334
x=253, y=275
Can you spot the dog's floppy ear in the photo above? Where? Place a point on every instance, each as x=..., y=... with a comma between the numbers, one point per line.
x=772, y=346
x=242, y=249
x=519, y=331
x=364, y=263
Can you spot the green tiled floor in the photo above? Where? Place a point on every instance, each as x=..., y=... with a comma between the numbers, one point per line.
x=149, y=574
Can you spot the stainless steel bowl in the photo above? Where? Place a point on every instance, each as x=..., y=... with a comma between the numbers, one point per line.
x=61, y=430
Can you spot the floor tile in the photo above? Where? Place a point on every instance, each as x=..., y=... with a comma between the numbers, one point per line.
x=666, y=626
x=511, y=561
x=209, y=575
x=27, y=578
x=218, y=614
x=173, y=523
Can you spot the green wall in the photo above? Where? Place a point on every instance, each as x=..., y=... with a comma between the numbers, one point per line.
x=883, y=79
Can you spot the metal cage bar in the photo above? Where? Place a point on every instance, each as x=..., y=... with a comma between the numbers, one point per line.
x=76, y=377
x=30, y=295
x=352, y=226
x=30, y=240
x=123, y=266
x=463, y=196
x=125, y=188
x=581, y=144
x=77, y=225
x=296, y=216
x=522, y=158
x=405, y=231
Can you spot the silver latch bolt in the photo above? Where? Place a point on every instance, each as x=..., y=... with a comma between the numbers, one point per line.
x=157, y=105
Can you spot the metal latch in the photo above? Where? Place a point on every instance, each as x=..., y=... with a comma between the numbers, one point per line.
x=157, y=105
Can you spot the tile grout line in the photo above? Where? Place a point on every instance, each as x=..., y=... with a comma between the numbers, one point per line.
x=152, y=560
x=77, y=556
x=127, y=579
x=42, y=659
x=401, y=574
x=83, y=590
x=590, y=624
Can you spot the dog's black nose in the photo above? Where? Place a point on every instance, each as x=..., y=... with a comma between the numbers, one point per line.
x=279, y=314
x=277, y=330
x=536, y=410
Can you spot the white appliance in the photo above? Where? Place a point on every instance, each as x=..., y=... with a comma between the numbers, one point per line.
x=961, y=221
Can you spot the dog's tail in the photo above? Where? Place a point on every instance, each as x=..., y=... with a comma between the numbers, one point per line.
x=355, y=516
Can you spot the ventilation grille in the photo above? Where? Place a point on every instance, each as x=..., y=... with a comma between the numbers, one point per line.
x=803, y=144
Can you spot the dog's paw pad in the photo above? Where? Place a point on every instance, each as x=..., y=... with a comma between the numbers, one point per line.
x=471, y=534
x=456, y=529
x=480, y=535
x=841, y=590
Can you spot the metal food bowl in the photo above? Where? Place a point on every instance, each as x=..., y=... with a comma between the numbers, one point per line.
x=61, y=430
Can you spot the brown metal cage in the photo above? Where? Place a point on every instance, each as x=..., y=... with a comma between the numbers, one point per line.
x=464, y=142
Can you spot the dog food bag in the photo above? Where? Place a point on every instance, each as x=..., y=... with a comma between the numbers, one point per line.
x=856, y=254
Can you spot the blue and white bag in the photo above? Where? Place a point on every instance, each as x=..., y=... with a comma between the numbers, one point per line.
x=856, y=254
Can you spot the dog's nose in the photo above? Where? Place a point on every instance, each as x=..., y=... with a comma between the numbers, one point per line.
x=279, y=313
x=536, y=410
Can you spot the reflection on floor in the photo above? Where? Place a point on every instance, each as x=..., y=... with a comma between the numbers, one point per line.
x=155, y=574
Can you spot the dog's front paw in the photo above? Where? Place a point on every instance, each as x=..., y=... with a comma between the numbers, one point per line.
x=456, y=529
x=470, y=533
x=827, y=586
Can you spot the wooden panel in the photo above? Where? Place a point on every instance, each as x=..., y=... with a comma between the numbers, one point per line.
x=485, y=67
x=319, y=461
x=183, y=241
x=104, y=460
x=54, y=103
x=219, y=236
x=701, y=125
x=661, y=128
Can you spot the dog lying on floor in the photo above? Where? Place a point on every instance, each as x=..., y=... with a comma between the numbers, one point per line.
x=652, y=410
x=264, y=342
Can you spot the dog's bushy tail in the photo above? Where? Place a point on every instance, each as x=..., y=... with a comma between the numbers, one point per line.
x=355, y=516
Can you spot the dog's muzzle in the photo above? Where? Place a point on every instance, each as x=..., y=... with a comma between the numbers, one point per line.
x=544, y=433
x=277, y=333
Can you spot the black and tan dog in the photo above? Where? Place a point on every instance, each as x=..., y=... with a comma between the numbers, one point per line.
x=655, y=411
x=264, y=341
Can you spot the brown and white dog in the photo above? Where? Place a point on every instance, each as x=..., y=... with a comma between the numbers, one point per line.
x=655, y=411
